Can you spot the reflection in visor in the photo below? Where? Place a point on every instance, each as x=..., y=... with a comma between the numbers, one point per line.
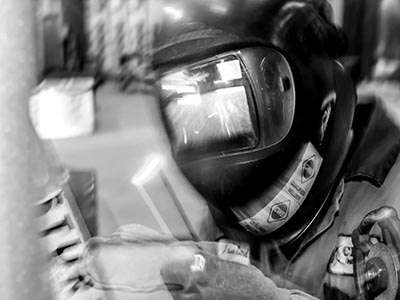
x=206, y=107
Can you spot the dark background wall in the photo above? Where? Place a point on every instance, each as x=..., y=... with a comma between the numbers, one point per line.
x=73, y=15
x=61, y=39
x=360, y=22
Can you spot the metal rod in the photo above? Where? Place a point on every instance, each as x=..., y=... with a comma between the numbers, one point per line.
x=153, y=209
x=179, y=206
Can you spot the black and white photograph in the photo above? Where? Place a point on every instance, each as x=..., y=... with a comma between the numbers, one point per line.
x=200, y=149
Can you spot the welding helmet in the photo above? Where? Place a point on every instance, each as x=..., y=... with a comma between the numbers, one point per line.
x=257, y=109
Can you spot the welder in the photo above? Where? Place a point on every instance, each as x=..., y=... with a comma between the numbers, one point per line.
x=265, y=123
x=300, y=174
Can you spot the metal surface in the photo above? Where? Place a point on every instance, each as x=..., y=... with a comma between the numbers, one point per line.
x=23, y=275
x=376, y=263
x=29, y=175
x=374, y=287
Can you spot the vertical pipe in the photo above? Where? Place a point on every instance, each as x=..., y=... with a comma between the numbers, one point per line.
x=21, y=260
x=338, y=10
x=388, y=39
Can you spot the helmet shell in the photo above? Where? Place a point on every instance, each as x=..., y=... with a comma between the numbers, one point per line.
x=303, y=33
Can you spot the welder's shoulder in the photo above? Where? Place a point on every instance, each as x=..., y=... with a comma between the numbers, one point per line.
x=383, y=95
x=376, y=133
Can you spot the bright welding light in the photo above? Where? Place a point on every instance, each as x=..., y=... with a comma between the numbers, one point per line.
x=175, y=13
x=219, y=9
x=168, y=87
x=186, y=89
x=150, y=167
x=221, y=81
x=190, y=100
x=230, y=70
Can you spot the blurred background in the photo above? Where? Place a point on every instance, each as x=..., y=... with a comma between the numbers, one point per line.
x=110, y=36
x=94, y=59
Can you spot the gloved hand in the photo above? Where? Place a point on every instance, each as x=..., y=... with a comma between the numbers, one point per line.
x=190, y=270
x=210, y=271
x=208, y=276
x=71, y=283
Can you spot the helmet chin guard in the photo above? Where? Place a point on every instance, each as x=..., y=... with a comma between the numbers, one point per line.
x=337, y=147
x=284, y=196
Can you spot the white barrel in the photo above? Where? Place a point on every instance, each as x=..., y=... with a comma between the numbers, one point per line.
x=63, y=107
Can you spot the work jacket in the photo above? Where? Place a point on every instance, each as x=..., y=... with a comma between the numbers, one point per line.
x=322, y=264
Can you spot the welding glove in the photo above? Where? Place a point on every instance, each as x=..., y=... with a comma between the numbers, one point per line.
x=132, y=258
x=206, y=276
x=211, y=271
x=220, y=271
x=71, y=281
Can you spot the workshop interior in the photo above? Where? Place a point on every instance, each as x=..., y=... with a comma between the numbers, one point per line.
x=86, y=170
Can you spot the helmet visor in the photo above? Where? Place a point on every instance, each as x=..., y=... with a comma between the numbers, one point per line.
x=211, y=106
x=207, y=107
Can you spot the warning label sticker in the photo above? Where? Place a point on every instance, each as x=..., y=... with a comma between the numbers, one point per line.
x=279, y=211
x=308, y=170
x=293, y=190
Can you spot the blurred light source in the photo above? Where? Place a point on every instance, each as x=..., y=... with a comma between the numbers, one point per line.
x=175, y=13
x=219, y=9
x=190, y=100
x=150, y=167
